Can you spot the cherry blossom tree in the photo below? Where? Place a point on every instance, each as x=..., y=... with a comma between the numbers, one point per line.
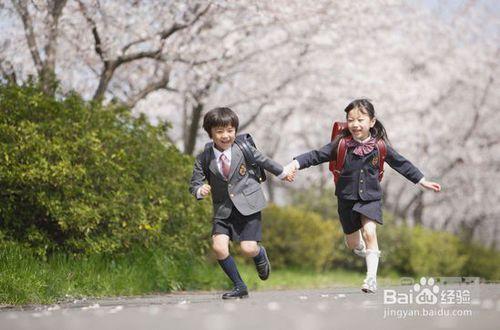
x=289, y=67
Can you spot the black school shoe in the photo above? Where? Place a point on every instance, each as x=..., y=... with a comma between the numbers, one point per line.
x=236, y=293
x=264, y=268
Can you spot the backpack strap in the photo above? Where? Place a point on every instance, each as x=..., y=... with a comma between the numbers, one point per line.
x=243, y=141
x=245, y=149
x=339, y=163
x=334, y=165
x=382, y=153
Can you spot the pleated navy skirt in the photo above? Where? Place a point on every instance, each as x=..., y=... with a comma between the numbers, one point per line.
x=350, y=212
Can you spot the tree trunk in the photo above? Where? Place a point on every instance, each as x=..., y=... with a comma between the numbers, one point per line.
x=190, y=143
x=418, y=210
x=271, y=183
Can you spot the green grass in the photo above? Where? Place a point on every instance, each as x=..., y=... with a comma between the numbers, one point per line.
x=308, y=279
x=27, y=279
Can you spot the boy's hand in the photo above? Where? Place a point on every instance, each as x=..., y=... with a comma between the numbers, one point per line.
x=204, y=190
x=431, y=185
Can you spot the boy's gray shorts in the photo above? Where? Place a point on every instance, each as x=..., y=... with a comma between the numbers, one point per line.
x=239, y=227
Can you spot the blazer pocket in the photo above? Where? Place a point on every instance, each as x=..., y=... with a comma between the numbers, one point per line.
x=253, y=195
x=250, y=190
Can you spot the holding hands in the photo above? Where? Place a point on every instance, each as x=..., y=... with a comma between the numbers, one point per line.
x=291, y=170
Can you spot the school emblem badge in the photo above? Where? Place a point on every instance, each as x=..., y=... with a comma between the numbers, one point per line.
x=375, y=161
x=243, y=169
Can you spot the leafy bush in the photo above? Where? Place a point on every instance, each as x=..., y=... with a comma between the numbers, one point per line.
x=80, y=177
x=435, y=253
x=481, y=261
x=296, y=238
x=316, y=199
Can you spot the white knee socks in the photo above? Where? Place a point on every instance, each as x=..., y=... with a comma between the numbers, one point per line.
x=372, y=257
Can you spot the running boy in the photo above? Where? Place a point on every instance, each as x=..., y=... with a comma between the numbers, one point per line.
x=237, y=196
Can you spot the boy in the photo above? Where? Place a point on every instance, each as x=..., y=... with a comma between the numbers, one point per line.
x=236, y=195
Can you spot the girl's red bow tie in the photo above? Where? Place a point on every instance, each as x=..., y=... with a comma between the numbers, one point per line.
x=362, y=148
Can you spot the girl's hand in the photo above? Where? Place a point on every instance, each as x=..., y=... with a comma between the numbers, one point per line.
x=431, y=185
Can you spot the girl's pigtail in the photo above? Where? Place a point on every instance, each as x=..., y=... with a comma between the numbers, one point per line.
x=378, y=131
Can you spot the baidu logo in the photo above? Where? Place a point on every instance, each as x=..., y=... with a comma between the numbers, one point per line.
x=427, y=291
x=424, y=293
x=431, y=296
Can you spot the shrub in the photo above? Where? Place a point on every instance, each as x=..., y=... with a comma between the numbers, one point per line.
x=435, y=253
x=481, y=261
x=80, y=177
x=300, y=239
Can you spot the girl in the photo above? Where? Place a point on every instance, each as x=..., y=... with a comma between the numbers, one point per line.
x=358, y=189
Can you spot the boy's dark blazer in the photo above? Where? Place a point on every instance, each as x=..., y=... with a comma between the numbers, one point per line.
x=242, y=189
x=359, y=177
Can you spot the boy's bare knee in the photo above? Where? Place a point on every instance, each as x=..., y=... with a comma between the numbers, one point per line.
x=249, y=248
x=220, y=245
x=221, y=251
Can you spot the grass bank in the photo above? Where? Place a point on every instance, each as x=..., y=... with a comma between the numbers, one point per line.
x=308, y=279
x=27, y=279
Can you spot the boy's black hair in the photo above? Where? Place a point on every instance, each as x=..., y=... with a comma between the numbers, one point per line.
x=220, y=117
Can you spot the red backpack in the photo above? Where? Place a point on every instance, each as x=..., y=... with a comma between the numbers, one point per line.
x=337, y=165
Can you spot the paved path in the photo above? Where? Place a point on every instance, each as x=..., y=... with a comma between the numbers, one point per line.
x=336, y=308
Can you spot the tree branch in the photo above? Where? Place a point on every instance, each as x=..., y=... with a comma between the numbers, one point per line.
x=55, y=10
x=95, y=33
x=111, y=65
x=181, y=26
x=22, y=8
x=151, y=87
x=136, y=56
x=255, y=115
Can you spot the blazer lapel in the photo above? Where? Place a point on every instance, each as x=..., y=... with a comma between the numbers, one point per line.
x=236, y=158
x=213, y=166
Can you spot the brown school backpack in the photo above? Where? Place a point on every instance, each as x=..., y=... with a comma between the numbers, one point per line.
x=336, y=165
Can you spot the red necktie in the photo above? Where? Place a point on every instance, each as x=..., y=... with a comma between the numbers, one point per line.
x=224, y=165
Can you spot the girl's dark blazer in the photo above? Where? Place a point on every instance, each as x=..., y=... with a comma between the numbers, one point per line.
x=359, y=177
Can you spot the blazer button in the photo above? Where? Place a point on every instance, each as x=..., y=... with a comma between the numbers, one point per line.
x=361, y=190
x=361, y=171
x=229, y=185
x=361, y=180
x=232, y=195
